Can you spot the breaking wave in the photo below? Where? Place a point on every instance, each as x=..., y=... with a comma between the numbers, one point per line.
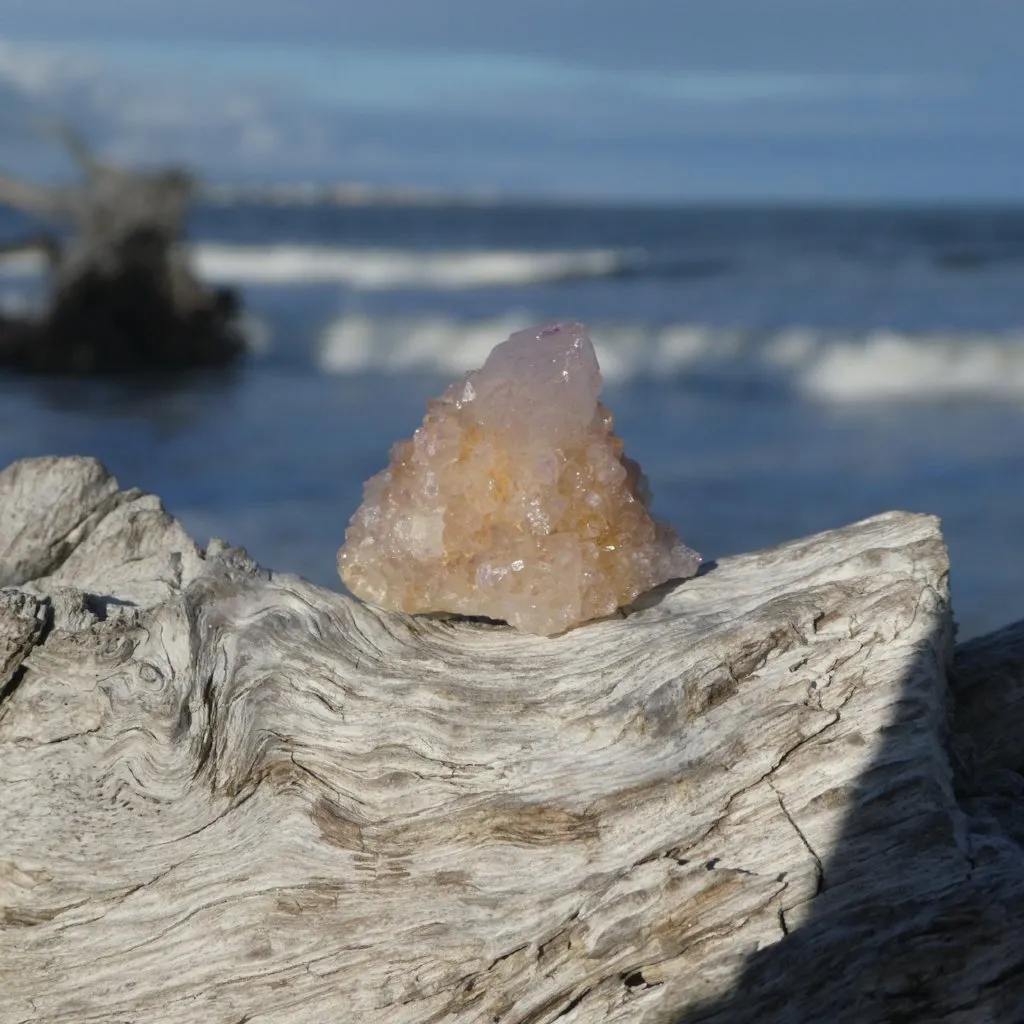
x=381, y=269
x=21, y=264
x=879, y=366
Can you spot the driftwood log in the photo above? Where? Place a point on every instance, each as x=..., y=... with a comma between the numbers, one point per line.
x=226, y=795
x=123, y=296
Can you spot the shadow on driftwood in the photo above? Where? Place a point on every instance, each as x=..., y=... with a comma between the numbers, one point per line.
x=654, y=597
x=123, y=298
x=933, y=934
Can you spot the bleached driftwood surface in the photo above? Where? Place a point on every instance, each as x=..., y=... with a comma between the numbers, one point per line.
x=227, y=795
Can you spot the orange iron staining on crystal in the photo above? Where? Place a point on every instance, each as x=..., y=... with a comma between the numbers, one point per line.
x=514, y=500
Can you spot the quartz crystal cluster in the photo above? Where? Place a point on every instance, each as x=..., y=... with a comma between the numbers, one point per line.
x=513, y=500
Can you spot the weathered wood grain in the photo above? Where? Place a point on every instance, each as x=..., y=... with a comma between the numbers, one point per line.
x=228, y=795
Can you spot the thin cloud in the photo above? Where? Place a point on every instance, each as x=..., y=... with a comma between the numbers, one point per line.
x=474, y=120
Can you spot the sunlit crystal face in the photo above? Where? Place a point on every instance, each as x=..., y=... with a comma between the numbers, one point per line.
x=513, y=499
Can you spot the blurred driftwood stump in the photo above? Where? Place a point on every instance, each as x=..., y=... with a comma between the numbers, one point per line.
x=123, y=298
x=229, y=795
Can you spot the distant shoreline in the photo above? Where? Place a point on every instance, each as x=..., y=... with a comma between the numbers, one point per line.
x=360, y=194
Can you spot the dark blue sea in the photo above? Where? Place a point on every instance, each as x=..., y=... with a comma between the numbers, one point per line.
x=775, y=371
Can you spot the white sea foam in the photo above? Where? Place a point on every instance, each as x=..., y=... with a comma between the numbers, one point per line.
x=381, y=269
x=879, y=366
x=21, y=264
x=377, y=269
x=886, y=366
x=360, y=344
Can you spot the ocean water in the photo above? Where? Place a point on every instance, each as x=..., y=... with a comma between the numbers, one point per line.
x=775, y=371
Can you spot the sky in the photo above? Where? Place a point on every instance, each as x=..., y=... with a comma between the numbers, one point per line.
x=638, y=100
